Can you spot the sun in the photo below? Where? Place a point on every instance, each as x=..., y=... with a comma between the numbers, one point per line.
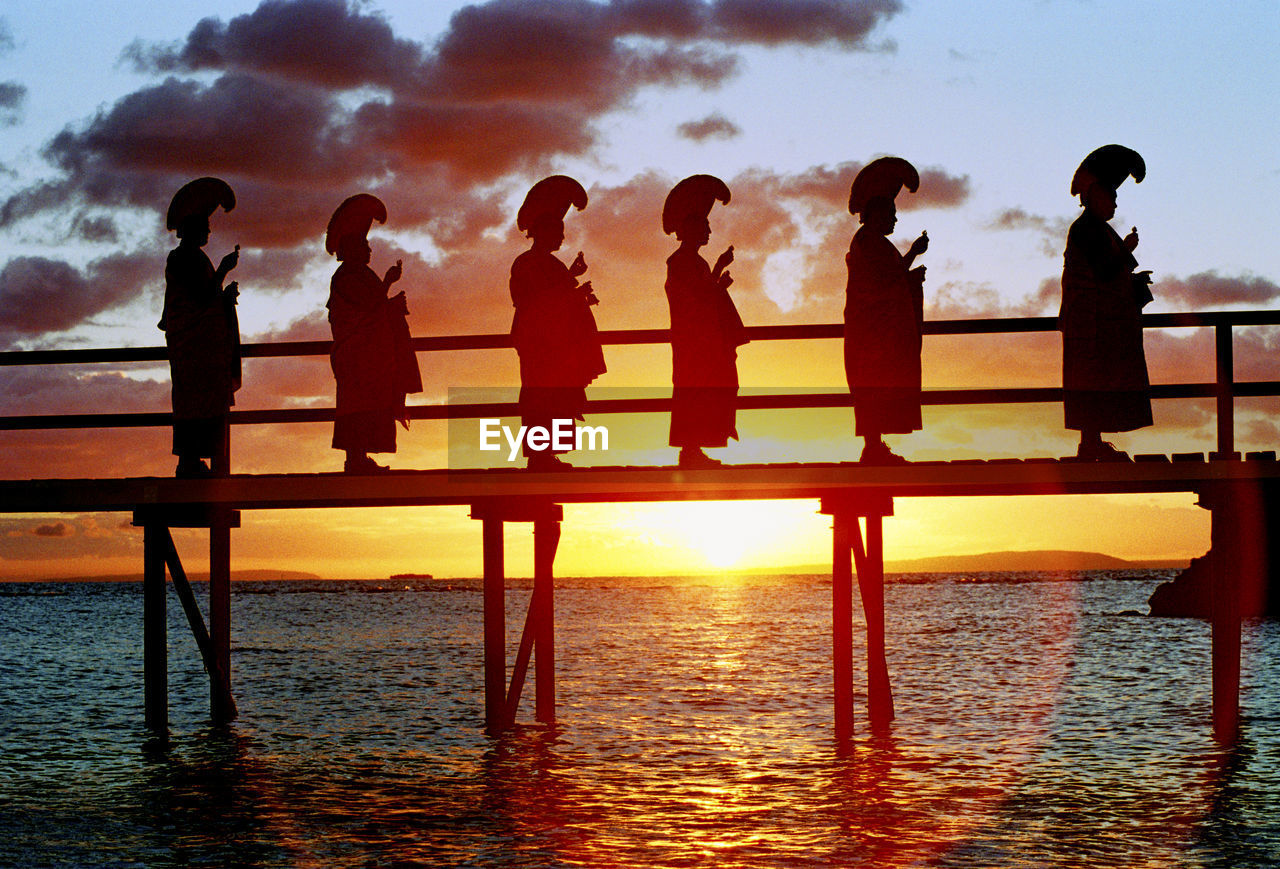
x=742, y=534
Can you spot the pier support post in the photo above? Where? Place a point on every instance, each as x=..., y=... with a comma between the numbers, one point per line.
x=155, y=636
x=214, y=643
x=871, y=587
x=221, y=706
x=546, y=540
x=869, y=562
x=1238, y=559
x=842, y=623
x=495, y=628
x=538, y=638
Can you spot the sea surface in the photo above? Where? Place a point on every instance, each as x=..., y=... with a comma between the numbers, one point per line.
x=1041, y=722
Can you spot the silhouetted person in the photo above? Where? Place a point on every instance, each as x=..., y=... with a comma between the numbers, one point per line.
x=706, y=330
x=884, y=311
x=1104, y=370
x=553, y=329
x=201, y=329
x=372, y=358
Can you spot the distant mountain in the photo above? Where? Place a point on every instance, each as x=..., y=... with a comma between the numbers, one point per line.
x=265, y=574
x=1032, y=559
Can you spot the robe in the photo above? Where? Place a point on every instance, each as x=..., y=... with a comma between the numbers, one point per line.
x=1104, y=369
x=372, y=359
x=706, y=332
x=555, y=335
x=202, y=332
x=883, y=315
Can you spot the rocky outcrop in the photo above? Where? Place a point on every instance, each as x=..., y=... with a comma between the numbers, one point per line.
x=1189, y=594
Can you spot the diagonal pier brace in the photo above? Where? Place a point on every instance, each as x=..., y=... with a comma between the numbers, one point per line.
x=538, y=638
x=846, y=532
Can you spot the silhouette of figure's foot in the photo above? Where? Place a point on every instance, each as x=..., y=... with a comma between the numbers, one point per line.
x=1101, y=452
x=192, y=469
x=363, y=465
x=879, y=454
x=695, y=458
x=548, y=462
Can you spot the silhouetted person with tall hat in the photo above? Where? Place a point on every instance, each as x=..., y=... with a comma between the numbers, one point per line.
x=884, y=312
x=1104, y=370
x=372, y=357
x=706, y=330
x=553, y=330
x=201, y=329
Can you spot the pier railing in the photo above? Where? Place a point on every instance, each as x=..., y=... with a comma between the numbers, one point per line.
x=1224, y=389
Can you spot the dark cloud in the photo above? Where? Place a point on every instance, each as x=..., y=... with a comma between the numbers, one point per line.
x=13, y=96
x=58, y=389
x=1198, y=292
x=1052, y=231
x=938, y=189
x=96, y=228
x=39, y=295
x=270, y=270
x=507, y=87
x=567, y=52
x=322, y=42
x=1017, y=218
x=806, y=22
x=477, y=143
x=1207, y=290
x=1048, y=296
x=828, y=186
x=239, y=125
x=960, y=299
x=301, y=103
x=714, y=126
x=276, y=145
x=91, y=535
x=509, y=82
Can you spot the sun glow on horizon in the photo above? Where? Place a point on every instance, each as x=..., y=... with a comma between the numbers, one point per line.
x=733, y=534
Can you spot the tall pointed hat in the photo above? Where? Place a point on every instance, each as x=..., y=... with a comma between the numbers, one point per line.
x=693, y=196
x=353, y=217
x=883, y=176
x=201, y=198
x=1108, y=165
x=551, y=195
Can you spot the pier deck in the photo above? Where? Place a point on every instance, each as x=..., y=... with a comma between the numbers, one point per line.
x=614, y=484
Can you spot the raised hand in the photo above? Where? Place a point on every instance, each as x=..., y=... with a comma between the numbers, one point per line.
x=393, y=274
x=579, y=265
x=723, y=262
x=229, y=262
x=919, y=246
x=1131, y=240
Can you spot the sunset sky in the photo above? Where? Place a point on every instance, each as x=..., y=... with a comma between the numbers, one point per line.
x=449, y=111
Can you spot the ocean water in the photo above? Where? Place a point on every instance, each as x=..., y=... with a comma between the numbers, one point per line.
x=1040, y=722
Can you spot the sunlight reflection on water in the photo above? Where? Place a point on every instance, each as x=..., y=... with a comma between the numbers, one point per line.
x=1036, y=727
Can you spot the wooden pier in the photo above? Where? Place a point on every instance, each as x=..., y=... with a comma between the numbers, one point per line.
x=858, y=498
